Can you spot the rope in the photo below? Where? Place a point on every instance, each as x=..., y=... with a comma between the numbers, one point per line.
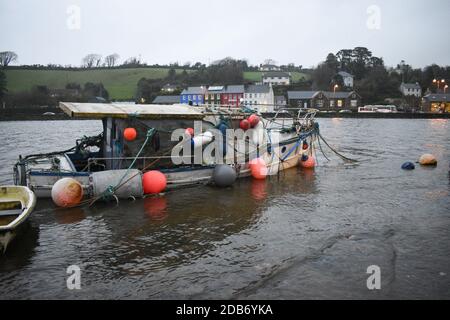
x=336, y=152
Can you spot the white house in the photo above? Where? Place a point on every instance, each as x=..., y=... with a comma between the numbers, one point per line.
x=259, y=97
x=269, y=67
x=347, y=78
x=277, y=78
x=411, y=89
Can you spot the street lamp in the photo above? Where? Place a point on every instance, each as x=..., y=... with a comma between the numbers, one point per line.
x=437, y=82
x=445, y=88
x=335, y=87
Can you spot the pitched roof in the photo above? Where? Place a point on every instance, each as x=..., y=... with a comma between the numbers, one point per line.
x=235, y=89
x=410, y=86
x=344, y=74
x=258, y=88
x=166, y=99
x=437, y=97
x=336, y=95
x=194, y=90
x=276, y=74
x=301, y=94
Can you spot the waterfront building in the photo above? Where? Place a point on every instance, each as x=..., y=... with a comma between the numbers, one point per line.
x=259, y=97
x=280, y=101
x=166, y=100
x=269, y=67
x=324, y=99
x=436, y=102
x=213, y=95
x=193, y=95
x=232, y=95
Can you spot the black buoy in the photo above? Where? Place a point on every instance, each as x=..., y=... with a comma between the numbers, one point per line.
x=408, y=166
x=224, y=175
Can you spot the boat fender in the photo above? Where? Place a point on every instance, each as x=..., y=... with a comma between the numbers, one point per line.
x=258, y=168
x=130, y=180
x=308, y=163
x=67, y=192
x=154, y=182
x=224, y=175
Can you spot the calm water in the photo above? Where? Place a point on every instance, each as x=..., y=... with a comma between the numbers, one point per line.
x=305, y=234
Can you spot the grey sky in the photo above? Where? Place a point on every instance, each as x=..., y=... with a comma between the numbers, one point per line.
x=302, y=32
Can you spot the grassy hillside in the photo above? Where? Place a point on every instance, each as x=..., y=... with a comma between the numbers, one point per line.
x=120, y=83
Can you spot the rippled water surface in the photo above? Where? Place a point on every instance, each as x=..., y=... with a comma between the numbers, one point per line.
x=304, y=234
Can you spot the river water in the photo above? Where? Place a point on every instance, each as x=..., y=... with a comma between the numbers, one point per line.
x=302, y=235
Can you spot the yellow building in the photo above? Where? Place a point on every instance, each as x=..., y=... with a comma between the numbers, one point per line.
x=436, y=102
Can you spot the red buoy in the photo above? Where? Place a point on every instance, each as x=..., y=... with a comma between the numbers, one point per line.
x=308, y=163
x=154, y=182
x=189, y=131
x=254, y=120
x=258, y=168
x=244, y=124
x=305, y=145
x=130, y=134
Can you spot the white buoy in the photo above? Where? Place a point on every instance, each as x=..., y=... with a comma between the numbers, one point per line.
x=67, y=192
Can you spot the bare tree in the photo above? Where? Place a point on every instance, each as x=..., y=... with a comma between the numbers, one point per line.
x=270, y=61
x=6, y=57
x=92, y=60
x=111, y=60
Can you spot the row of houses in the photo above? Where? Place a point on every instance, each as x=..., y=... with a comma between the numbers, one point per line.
x=261, y=97
x=257, y=96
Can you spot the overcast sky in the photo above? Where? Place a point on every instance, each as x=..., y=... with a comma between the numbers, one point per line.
x=302, y=32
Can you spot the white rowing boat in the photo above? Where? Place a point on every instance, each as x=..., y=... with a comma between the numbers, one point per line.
x=16, y=205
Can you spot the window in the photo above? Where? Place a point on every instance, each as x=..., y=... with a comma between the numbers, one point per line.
x=354, y=103
x=339, y=103
x=218, y=96
x=190, y=97
x=319, y=103
x=331, y=103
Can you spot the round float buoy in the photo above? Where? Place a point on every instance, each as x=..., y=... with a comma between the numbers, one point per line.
x=305, y=145
x=253, y=120
x=408, y=166
x=224, y=175
x=309, y=163
x=244, y=124
x=153, y=182
x=428, y=160
x=258, y=168
x=130, y=134
x=189, y=131
x=67, y=192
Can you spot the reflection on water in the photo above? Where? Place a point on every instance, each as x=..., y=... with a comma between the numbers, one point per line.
x=300, y=234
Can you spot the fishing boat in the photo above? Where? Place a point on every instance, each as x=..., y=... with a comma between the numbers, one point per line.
x=16, y=205
x=98, y=162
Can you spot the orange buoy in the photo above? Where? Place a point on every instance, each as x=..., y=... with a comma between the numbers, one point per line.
x=130, y=134
x=258, y=168
x=428, y=160
x=254, y=120
x=189, y=132
x=67, y=192
x=154, y=182
x=244, y=124
x=308, y=163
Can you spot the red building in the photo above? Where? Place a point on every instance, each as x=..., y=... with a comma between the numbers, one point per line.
x=232, y=96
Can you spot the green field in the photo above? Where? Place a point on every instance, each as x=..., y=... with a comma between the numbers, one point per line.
x=120, y=83
x=256, y=76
